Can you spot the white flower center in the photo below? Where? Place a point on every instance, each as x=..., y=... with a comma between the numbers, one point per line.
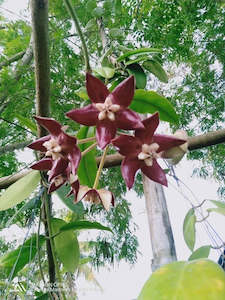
x=53, y=149
x=149, y=153
x=107, y=109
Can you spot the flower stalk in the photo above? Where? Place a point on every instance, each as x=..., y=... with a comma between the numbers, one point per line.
x=95, y=186
x=88, y=149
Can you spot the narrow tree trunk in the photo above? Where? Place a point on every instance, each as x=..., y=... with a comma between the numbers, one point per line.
x=161, y=235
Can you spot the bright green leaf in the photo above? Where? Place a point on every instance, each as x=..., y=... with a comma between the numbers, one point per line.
x=20, y=190
x=88, y=166
x=138, y=51
x=189, y=229
x=82, y=93
x=202, y=252
x=150, y=102
x=105, y=72
x=219, y=210
x=66, y=245
x=11, y=263
x=27, y=123
x=155, y=68
x=220, y=204
x=139, y=74
x=79, y=225
x=200, y=279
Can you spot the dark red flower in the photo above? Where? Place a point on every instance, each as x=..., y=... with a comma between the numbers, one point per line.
x=142, y=150
x=94, y=196
x=108, y=111
x=61, y=149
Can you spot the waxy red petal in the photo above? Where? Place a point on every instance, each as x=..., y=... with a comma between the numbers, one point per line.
x=150, y=124
x=105, y=132
x=127, y=145
x=58, y=167
x=127, y=119
x=96, y=89
x=124, y=92
x=129, y=167
x=43, y=165
x=154, y=173
x=67, y=142
x=50, y=124
x=166, y=142
x=38, y=144
x=74, y=157
x=87, y=115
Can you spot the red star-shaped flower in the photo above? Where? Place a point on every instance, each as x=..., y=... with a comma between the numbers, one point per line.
x=142, y=150
x=59, y=146
x=108, y=111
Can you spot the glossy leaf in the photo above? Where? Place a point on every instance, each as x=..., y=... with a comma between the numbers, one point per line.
x=219, y=210
x=20, y=190
x=88, y=166
x=139, y=74
x=138, y=51
x=79, y=225
x=82, y=93
x=27, y=123
x=77, y=208
x=150, y=102
x=66, y=245
x=11, y=263
x=200, y=279
x=189, y=229
x=202, y=252
x=155, y=68
x=105, y=72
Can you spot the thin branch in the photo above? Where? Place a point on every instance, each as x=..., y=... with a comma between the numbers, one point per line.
x=12, y=59
x=12, y=147
x=80, y=33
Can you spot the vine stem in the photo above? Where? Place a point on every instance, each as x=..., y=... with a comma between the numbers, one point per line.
x=100, y=168
x=88, y=149
x=48, y=219
x=80, y=33
x=83, y=141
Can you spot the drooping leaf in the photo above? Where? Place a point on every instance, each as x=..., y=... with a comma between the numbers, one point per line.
x=189, y=229
x=11, y=263
x=27, y=123
x=20, y=190
x=82, y=93
x=77, y=208
x=105, y=72
x=150, y=102
x=200, y=279
x=66, y=244
x=88, y=166
x=219, y=210
x=139, y=74
x=79, y=225
x=138, y=51
x=155, y=68
x=219, y=204
x=202, y=252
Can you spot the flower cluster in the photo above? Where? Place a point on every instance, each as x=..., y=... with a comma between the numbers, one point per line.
x=108, y=112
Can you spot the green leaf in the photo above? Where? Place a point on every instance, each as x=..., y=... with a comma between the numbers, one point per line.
x=66, y=245
x=138, y=51
x=142, y=58
x=82, y=93
x=199, y=279
x=98, y=12
x=85, y=260
x=88, y=167
x=116, y=33
x=155, y=68
x=117, y=7
x=105, y=72
x=27, y=123
x=202, y=252
x=91, y=24
x=139, y=74
x=150, y=102
x=219, y=210
x=220, y=204
x=11, y=263
x=43, y=297
x=79, y=225
x=20, y=190
x=189, y=229
x=77, y=208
